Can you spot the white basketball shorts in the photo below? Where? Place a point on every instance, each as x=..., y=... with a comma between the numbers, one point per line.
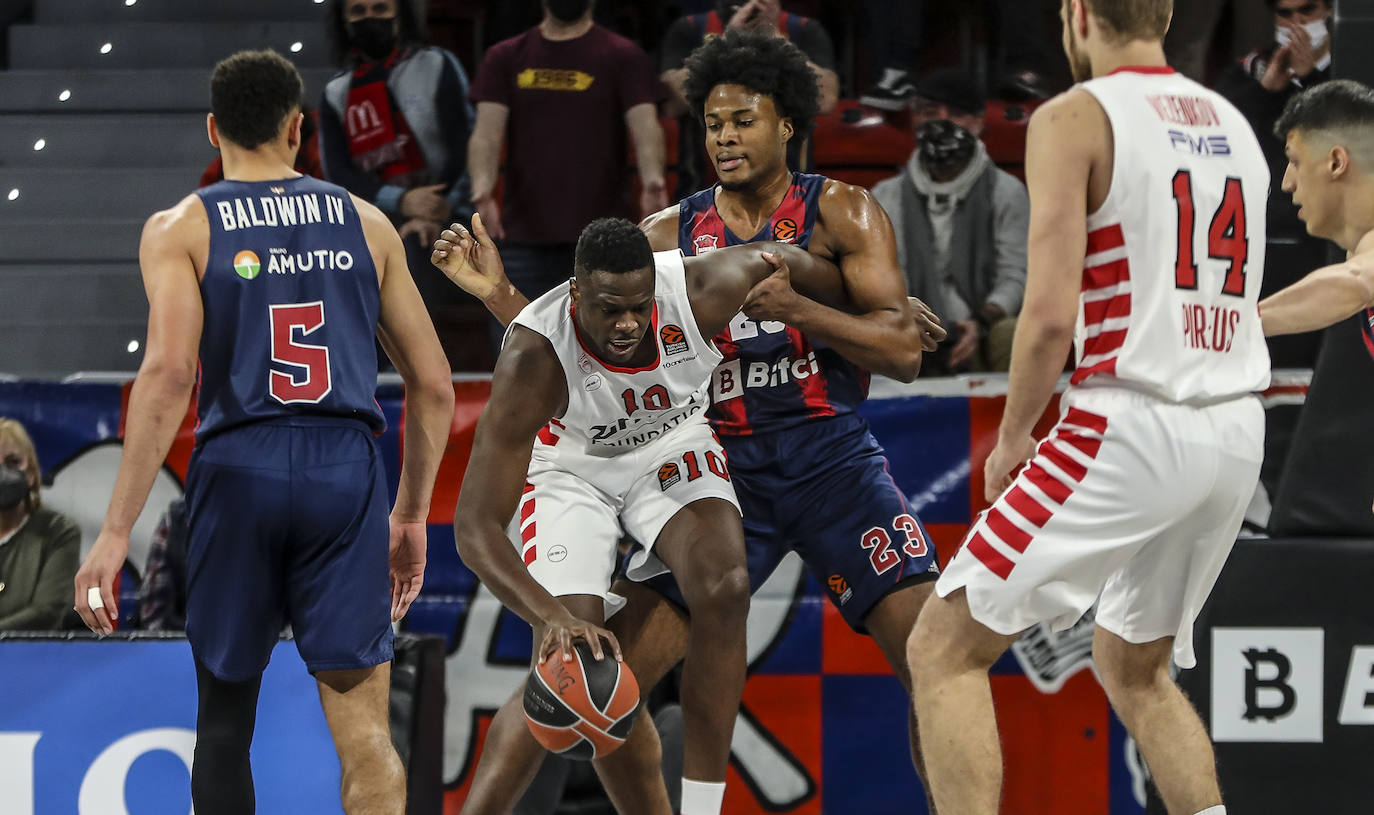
x=1131, y=499
x=575, y=506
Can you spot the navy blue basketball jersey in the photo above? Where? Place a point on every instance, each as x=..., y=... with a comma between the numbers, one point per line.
x=772, y=377
x=291, y=302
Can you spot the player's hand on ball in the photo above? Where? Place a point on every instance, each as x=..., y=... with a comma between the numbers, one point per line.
x=469, y=258
x=406, y=563
x=928, y=323
x=1002, y=463
x=560, y=633
x=773, y=297
x=94, y=596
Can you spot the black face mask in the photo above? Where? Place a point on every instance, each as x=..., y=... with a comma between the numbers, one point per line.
x=374, y=36
x=14, y=487
x=944, y=146
x=568, y=11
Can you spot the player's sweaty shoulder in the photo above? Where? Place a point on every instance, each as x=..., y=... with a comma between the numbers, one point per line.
x=661, y=227
x=185, y=225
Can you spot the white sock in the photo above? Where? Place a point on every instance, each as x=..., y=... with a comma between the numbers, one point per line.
x=1217, y=810
x=705, y=797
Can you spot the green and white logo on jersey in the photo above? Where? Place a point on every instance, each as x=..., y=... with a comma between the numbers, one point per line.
x=247, y=265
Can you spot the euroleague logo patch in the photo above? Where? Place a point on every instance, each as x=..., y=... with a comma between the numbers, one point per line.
x=668, y=475
x=673, y=339
x=840, y=587
x=785, y=230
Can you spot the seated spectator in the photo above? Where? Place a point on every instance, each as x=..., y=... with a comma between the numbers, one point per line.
x=1259, y=86
x=39, y=548
x=162, y=595
x=686, y=33
x=394, y=131
x=307, y=157
x=570, y=92
x=961, y=227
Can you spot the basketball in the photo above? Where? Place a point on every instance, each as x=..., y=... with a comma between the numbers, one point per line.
x=581, y=708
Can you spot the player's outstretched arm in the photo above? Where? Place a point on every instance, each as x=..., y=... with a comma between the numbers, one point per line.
x=407, y=335
x=469, y=258
x=1323, y=297
x=160, y=395
x=527, y=390
x=879, y=332
x=720, y=283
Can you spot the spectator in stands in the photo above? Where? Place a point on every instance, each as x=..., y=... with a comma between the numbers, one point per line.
x=307, y=157
x=1262, y=83
x=394, y=130
x=686, y=33
x=961, y=226
x=39, y=548
x=561, y=98
x=893, y=35
x=1196, y=22
x=162, y=595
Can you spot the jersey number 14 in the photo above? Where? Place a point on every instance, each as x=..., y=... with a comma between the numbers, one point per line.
x=1226, y=236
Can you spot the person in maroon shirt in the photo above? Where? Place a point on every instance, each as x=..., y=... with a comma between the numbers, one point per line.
x=560, y=98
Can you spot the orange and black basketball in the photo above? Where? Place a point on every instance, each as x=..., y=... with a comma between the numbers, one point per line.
x=581, y=708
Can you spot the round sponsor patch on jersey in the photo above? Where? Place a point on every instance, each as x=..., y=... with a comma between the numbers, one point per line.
x=592, y=383
x=557, y=552
x=247, y=265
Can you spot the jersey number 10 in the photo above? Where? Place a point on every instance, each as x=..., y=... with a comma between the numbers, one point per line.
x=1226, y=237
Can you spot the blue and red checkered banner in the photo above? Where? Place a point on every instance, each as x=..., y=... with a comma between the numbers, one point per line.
x=822, y=728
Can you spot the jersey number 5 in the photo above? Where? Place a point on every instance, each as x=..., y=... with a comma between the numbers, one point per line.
x=1226, y=237
x=306, y=379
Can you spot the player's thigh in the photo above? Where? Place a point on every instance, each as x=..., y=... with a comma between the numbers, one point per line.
x=338, y=586
x=684, y=512
x=652, y=630
x=1111, y=477
x=566, y=530
x=238, y=513
x=356, y=707
x=852, y=526
x=892, y=620
x=1160, y=591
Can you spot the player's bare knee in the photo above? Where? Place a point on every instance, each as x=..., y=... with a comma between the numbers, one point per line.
x=1131, y=672
x=722, y=594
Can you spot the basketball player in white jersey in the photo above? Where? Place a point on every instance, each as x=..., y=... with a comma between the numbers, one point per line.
x=1146, y=249
x=601, y=389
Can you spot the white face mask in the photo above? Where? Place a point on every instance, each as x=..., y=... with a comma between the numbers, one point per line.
x=1315, y=29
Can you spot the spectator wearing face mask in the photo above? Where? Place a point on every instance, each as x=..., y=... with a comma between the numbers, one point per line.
x=961, y=227
x=393, y=130
x=39, y=548
x=1263, y=82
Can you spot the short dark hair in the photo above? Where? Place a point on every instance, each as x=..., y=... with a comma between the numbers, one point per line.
x=614, y=246
x=764, y=64
x=1133, y=19
x=251, y=92
x=409, y=16
x=1336, y=105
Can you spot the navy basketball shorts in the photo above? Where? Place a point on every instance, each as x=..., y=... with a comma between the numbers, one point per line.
x=288, y=524
x=824, y=490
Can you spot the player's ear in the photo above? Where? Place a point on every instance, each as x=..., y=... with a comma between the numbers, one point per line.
x=575, y=292
x=786, y=130
x=1338, y=162
x=293, y=130
x=211, y=130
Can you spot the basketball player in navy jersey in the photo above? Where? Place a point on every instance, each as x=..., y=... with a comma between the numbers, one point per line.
x=275, y=284
x=793, y=375
x=596, y=422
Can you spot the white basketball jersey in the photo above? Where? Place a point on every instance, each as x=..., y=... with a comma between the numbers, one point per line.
x=611, y=409
x=1175, y=255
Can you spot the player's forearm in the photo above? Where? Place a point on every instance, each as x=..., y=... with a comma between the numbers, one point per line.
x=505, y=303
x=429, y=416
x=1324, y=297
x=1037, y=358
x=485, y=549
x=885, y=341
x=157, y=406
